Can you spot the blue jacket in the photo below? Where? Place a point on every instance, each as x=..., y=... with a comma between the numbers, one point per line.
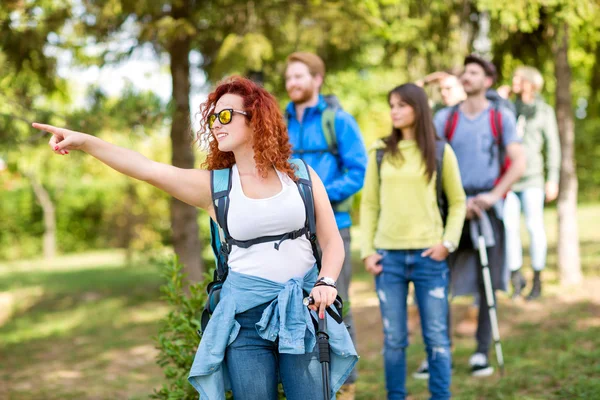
x=342, y=175
x=285, y=317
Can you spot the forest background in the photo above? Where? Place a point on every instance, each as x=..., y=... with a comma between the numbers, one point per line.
x=56, y=209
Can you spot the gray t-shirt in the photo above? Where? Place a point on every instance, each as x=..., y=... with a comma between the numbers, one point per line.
x=475, y=146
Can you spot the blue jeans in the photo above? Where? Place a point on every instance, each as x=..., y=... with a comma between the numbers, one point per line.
x=255, y=366
x=431, y=279
x=531, y=201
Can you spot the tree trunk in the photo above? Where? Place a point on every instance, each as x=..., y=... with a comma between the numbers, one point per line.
x=569, y=261
x=593, y=107
x=468, y=30
x=186, y=239
x=43, y=198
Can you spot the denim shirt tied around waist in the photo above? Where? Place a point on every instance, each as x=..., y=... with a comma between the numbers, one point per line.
x=285, y=317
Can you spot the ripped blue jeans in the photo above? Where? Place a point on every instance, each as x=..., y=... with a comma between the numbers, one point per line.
x=430, y=279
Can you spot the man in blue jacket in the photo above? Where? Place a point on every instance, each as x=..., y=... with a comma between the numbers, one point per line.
x=329, y=140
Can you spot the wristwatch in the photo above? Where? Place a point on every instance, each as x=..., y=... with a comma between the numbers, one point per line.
x=326, y=280
x=451, y=247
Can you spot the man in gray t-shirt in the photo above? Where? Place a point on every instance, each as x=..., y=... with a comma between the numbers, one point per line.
x=479, y=159
x=475, y=146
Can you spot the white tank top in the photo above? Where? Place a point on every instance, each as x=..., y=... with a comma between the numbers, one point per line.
x=253, y=218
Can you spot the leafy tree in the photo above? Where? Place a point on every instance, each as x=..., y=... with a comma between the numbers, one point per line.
x=548, y=27
x=87, y=205
x=26, y=73
x=170, y=28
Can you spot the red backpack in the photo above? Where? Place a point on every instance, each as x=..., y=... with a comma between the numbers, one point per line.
x=496, y=125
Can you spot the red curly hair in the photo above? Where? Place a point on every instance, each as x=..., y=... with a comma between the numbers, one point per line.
x=270, y=140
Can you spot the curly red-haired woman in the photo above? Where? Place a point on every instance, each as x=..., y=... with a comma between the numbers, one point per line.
x=259, y=333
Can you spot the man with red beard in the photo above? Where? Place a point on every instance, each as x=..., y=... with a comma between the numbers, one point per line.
x=329, y=140
x=481, y=133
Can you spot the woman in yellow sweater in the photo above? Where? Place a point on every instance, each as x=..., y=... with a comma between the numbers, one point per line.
x=404, y=238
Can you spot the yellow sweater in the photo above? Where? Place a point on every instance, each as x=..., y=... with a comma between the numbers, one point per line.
x=399, y=210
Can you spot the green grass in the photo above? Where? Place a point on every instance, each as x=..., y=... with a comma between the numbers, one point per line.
x=81, y=327
x=79, y=332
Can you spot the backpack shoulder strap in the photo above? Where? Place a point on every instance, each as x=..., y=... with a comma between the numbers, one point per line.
x=220, y=186
x=216, y=243
x=379, y=153
x=498, y=131
x=305, y=187
x=496, y=123
x=440, y=147
x=220, y=181
x=451, y=123
x=328, y=127
x=304, y=184
x=302, y=171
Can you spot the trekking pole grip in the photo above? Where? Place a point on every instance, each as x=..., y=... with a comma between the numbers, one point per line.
x=309, y=301
x=323, y=341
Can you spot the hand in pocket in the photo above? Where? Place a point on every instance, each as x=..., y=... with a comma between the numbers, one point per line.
x=439, y=252
x=372, y=264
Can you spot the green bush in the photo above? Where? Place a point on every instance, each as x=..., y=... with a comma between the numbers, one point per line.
x=178, y=338
x=89, y=215
x=22, y=224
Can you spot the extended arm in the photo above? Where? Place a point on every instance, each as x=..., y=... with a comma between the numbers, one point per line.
x=191, y=186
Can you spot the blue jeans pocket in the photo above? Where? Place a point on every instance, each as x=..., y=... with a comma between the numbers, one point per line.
x=431, y=263
x=382, y=253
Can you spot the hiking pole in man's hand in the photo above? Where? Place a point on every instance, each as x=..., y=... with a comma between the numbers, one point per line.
x=323, y=344
x=489, y=295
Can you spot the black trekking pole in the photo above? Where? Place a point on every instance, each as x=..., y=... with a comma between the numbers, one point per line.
x=489, y=295
x=323, y=344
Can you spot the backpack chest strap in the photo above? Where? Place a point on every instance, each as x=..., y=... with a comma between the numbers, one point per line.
x=278, y=239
